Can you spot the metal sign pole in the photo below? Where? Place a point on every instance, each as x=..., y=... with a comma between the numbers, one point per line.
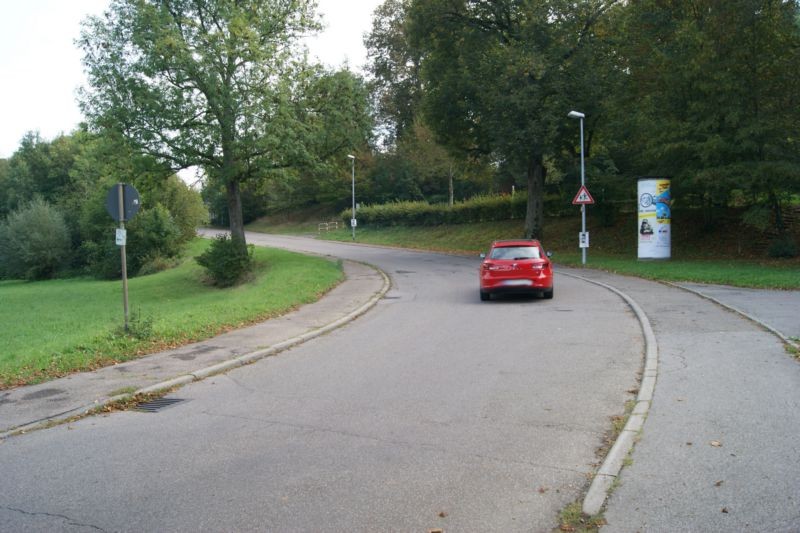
x=121, y=204
x=583, y=206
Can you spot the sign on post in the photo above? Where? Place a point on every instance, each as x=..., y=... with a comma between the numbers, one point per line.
x=129, y=205
x=122, y=203
x=583, y=197
x=583, y=239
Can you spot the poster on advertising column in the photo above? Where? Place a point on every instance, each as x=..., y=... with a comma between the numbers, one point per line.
x=655, y=218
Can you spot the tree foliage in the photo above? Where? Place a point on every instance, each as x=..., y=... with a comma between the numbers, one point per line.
x=500, y=78
x=711, y=96
x=34, y=242
x=220, y=84
x=394, y=67
x=72, y=174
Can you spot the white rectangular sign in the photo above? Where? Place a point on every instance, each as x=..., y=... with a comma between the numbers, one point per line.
x=583, y=239
x=353, y=223
x=122, y=237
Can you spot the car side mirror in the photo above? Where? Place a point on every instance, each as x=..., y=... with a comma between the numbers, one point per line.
x=549, y=254
x=482, y=255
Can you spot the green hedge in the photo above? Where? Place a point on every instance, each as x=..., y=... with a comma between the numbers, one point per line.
x=477, y=209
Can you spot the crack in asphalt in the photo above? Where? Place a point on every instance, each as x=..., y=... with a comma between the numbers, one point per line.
x=395, y=442
x=69, y=520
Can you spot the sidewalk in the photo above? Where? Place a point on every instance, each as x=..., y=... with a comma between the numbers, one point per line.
x=27, y=408
x=718, y=450
x=778, y=311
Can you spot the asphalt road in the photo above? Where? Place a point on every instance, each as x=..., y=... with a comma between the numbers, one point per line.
x=434, y=410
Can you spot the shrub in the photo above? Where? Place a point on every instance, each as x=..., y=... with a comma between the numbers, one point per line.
x=34, y=242
x=783, y=247
x=226, y=260
x=478, y=209
x=154, y=240
x=152, y=234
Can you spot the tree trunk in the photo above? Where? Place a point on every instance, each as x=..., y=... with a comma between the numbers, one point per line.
x=450, y=188
x=534, y=214
x=235, y=209
x=777, y=212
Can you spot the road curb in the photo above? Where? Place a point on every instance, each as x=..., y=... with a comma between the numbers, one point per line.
x=607, y=474
x=212, y=370
x=738, y=311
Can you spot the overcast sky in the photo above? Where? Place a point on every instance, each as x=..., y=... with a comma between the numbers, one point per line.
x=40, y=67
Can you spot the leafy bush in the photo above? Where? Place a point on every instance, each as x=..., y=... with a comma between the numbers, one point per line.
x=34, y=242
x=183, y=203
x=783, y=247
x=152, y=234
x=154, y=241
x=477, y=209
x=226, y=260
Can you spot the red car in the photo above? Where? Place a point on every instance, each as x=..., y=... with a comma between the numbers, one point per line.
x=516, y=266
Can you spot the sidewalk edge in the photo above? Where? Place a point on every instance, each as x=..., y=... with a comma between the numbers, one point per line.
x=603, y=481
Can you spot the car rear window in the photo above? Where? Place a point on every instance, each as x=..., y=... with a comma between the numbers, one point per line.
x=515, y=252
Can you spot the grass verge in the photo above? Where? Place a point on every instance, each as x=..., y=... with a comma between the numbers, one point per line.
x=471, y=239
x=51, y=328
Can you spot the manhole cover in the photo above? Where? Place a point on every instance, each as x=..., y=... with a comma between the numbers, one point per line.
x=154, y=406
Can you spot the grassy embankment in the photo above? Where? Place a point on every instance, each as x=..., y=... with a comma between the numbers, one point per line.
x=51, y=328
x=724, y=254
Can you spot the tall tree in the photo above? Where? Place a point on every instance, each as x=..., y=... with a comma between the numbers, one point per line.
x=394, y=65
x=499, y=76
x=213, y=83
x=712, y=96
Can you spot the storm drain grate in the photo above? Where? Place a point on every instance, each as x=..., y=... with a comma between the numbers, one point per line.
x=154, y=406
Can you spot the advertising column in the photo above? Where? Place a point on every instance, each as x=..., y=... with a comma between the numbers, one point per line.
x=655, y=218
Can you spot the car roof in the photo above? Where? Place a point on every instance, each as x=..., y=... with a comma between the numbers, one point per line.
x=515, y=242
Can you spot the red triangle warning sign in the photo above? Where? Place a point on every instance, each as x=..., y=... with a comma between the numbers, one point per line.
x=583, y=197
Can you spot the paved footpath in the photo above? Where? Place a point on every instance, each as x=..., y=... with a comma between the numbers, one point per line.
x=719, y=450
x=30, y=407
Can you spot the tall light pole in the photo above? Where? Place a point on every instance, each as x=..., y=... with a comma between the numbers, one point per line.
x=353, y=218
x=581, y=116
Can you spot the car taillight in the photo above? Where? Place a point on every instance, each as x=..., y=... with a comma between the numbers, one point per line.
x=537, y=266
x=489, y=266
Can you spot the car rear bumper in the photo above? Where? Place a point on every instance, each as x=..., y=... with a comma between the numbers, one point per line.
x=516, y=285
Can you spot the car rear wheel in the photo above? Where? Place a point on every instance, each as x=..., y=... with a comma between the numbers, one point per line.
x=548, y=294
x=485, y=296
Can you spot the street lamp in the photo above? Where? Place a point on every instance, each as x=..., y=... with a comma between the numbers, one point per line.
x=353, y=219
x=581, y=116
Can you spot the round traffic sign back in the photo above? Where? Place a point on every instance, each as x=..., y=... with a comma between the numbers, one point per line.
x=130, y=202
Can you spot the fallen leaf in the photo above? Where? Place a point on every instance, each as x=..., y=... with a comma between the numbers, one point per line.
x=443, y=514
x=542, y=490
x=718, y=483
x=688, y=443
x=716, y=444
x=725, y=510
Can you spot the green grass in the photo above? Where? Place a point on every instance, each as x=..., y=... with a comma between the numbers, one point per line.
x=763, y=275
x=51, y=328
x=697, y=257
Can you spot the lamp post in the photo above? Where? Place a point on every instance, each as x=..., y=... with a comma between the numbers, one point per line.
x=353, y=218
x=581, y=116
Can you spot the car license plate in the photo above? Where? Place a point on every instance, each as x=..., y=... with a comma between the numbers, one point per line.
x=517, y=283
